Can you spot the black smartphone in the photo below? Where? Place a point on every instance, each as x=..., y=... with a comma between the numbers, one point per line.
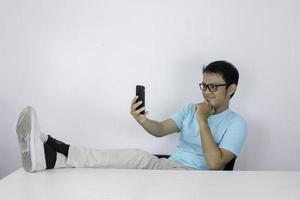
x=140, y=92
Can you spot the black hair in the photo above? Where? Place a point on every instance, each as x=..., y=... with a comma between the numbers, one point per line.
x=227, y=70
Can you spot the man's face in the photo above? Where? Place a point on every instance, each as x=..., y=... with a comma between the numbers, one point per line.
x=219, y=98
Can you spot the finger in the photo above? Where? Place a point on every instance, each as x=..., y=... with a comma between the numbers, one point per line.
x=136, y=105
x=211, y=108
x=145, y=114
x=134, y=100
x=134, y=114
x=198, y=106
x=139, y=110
x=206, y=102
x=201, y=105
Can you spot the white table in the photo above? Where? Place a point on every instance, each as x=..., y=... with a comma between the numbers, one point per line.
x=119, y=184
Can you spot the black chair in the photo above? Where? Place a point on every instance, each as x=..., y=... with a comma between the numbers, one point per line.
x=228, y=167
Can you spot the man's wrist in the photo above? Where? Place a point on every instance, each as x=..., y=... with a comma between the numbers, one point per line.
x=203, y=122
x=143, y=122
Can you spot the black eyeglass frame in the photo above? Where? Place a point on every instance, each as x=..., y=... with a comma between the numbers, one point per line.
x=210, y=86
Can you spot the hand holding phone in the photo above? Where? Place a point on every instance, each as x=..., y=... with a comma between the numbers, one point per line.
x=138, y=105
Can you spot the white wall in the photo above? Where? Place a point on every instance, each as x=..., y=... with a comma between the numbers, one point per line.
x=77, y=63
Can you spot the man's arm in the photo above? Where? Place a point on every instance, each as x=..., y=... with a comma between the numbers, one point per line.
x=157, y=129
x=160, y=129
x=216, y=157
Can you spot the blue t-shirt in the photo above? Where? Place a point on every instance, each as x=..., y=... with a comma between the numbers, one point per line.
x=227, y=128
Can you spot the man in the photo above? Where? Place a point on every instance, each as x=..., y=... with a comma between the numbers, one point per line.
x=211, y=135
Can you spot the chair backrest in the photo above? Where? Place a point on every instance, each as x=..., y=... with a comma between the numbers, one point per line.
x=228, y=167
x=162, y=155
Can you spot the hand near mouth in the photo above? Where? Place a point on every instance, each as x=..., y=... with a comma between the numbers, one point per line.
x=204, y=110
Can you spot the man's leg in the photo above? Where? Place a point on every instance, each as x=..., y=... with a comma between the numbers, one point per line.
x=118, y=159
x=40, y=151
x=83, y=157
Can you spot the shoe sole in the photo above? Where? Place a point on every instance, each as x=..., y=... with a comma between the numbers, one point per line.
x=31, y=146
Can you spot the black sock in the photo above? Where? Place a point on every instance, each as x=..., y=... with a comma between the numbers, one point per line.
x=50, y=156
x=58, y=145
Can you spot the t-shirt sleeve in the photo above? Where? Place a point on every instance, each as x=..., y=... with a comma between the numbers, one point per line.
x=179, y=116
x=235, y=136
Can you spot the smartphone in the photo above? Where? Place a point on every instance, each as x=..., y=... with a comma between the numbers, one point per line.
x=140, y=92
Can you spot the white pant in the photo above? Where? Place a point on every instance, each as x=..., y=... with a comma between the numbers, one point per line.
x=115, y=159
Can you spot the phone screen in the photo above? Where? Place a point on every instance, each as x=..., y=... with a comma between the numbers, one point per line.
x=140, y=92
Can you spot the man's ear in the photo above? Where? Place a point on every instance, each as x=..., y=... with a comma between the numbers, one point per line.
x=231, y=89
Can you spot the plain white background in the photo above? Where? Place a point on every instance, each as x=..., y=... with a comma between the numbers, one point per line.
x=77, y=63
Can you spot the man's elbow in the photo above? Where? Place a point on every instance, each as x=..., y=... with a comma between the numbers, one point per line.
x=158, y=136
x=214, y=166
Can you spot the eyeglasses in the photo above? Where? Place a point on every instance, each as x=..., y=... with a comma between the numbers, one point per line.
x=211, y=87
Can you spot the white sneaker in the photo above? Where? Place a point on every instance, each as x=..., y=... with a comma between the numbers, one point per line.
x=31, y=144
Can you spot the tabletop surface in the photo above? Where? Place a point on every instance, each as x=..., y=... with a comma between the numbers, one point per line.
x=89, y=183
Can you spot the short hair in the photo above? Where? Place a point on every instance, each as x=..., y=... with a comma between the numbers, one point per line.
x=227, y=70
